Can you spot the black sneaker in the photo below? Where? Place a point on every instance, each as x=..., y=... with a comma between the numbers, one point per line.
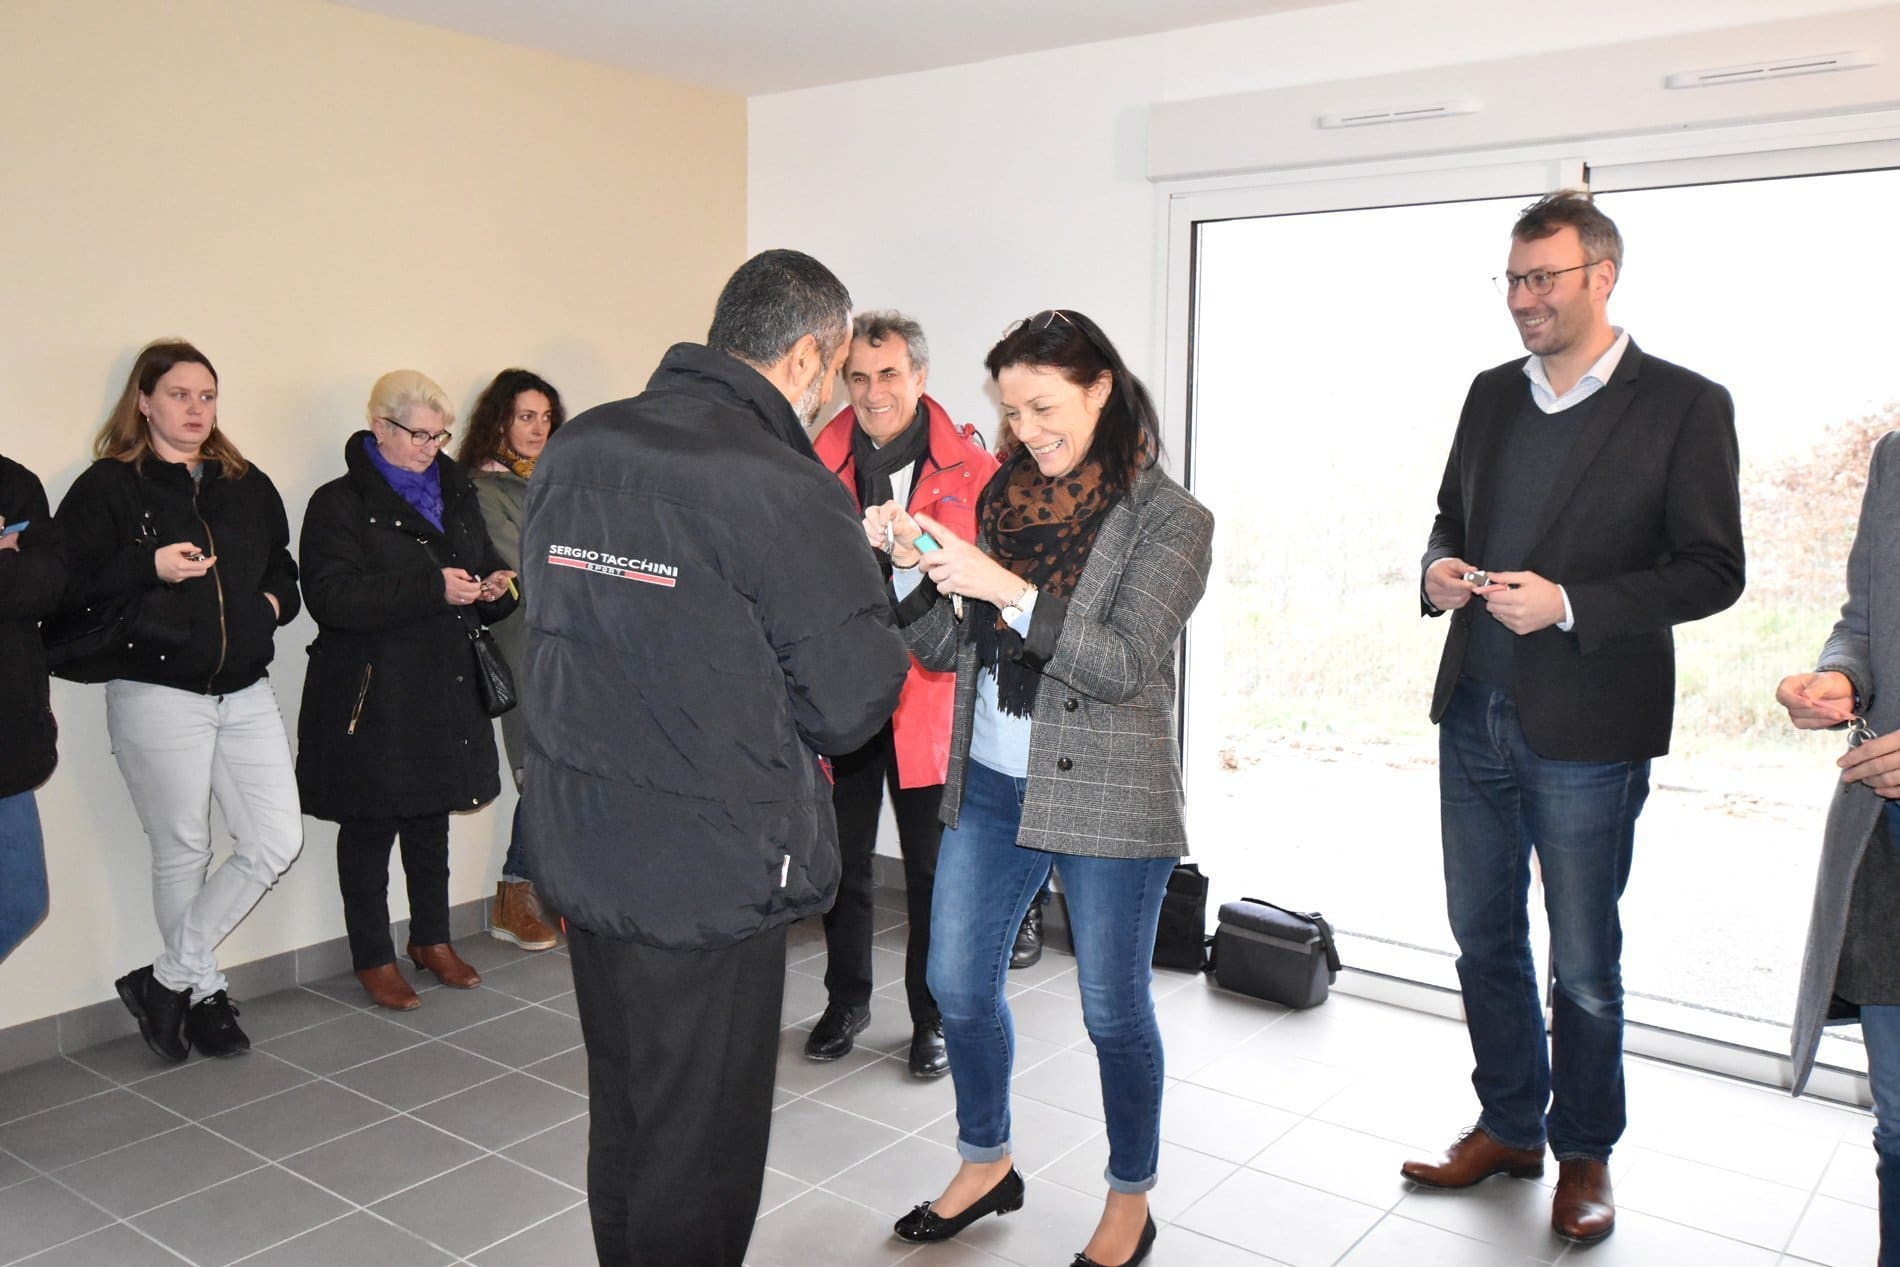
x=1027, y=951
x=160, y=1013
x=213, y=1029
x=832, y=1036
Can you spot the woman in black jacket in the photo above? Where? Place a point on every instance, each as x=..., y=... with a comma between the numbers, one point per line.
x=32, y=574
x=173, y=523
x=399, y=574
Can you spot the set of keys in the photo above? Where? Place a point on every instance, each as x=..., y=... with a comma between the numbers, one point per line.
x=925, y=543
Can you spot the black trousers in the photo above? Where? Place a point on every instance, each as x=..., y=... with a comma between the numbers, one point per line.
x=362, y=872
x=682, y=1049
x=857, y=794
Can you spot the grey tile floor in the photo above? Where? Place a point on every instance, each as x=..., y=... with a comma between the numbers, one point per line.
x=457, y=1134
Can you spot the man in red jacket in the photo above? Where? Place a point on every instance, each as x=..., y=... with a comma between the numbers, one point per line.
x=894, y=442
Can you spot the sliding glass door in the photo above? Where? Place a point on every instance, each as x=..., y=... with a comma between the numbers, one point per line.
x=1328, y=352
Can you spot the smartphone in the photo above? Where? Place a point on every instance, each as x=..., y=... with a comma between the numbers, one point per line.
x=8, y=530
x=925, y=543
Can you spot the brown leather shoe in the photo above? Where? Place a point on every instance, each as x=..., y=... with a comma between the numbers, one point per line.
x=1583, y=1210
x=449, y=967
x=516, y=917
x=387, y=988
x=1474, y=1156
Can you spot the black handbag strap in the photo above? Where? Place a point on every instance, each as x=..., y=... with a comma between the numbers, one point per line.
x=475, y=632
x=146, y=527
x=1326, y=940
x=1318, y=921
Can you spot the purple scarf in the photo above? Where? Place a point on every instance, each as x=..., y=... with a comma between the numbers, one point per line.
x=421, y=489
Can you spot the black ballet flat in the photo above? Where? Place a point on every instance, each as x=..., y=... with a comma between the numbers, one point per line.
x=925, y=1224
x=1146, y=1243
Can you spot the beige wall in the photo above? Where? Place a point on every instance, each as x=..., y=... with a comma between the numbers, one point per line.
x=315, y=195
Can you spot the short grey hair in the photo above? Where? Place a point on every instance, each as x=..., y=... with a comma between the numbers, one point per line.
x=775, y=299
x=880, y=324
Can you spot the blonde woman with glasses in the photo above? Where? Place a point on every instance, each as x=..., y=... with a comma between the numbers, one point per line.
x=399, y=575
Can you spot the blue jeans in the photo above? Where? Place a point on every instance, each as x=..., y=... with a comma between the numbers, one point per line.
x=1498, y=801
x=514, y=867
x=1880, y=1026
x=985, y=882
x=22, y=870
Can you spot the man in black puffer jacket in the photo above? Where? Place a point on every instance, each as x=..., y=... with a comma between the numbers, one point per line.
x=32, y=577
x=705, y=619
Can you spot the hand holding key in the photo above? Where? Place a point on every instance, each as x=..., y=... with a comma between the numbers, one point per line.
x=1871, y=759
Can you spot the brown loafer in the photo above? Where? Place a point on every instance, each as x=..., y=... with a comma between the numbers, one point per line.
x=449, y=968
x=1474, y=1156
x=1583, y=1211
x=387, y=988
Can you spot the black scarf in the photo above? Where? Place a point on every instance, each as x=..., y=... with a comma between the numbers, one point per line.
x=876, y=465
x=1042, y=528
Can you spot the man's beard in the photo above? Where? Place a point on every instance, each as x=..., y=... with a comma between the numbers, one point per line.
x=812, y=401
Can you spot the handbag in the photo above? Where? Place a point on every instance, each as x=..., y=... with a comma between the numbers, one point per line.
x=492, y=673
x=77, y=639
x=493, y=678
x=1268, y=952
x=1181, y=936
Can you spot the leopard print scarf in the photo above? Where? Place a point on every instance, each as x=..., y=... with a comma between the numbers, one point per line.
x=524, y=467
x=1042, y=528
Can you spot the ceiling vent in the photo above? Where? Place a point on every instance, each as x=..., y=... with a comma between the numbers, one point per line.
x=1403, y=114
x=1778, y=68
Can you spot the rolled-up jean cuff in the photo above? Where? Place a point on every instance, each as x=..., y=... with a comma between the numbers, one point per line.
x=982, y=1152
x=1128, y=1185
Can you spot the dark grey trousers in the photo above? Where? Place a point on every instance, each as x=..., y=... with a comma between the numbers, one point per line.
x=682, y=1048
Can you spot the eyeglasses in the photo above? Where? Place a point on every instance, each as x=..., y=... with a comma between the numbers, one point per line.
x=1538, y=281
x=1049, y=316
x=421, y=439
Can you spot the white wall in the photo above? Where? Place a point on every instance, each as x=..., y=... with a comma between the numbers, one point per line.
x=978, y=194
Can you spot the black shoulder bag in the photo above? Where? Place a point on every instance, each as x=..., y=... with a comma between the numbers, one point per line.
x=77, y=638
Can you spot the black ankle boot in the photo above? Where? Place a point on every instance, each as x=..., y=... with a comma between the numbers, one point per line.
x=1027, y=951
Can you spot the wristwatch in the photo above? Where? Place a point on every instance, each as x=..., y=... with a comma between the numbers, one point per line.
x=1014, y=609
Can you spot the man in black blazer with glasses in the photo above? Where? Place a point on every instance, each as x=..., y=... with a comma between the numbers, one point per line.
x=1589, y=505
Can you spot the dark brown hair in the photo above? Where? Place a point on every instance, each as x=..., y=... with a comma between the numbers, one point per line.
x=495, y=409
x=1575, y=208
x=1127, y=437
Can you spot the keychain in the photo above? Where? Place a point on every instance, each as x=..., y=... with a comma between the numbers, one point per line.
x=925, y=544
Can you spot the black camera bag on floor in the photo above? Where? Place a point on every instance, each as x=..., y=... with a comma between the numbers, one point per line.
x=1271, y=953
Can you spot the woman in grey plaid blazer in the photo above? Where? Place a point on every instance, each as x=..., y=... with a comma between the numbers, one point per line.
x=1061, y=621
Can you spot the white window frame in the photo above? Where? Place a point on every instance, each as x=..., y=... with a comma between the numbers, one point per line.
x=1702, y=156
